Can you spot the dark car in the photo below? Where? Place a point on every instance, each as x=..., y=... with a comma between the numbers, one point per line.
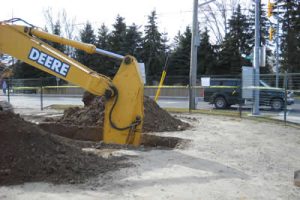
x=226, y=92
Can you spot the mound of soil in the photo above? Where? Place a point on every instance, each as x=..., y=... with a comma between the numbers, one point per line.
x=92, y=114
x=157, y=119
x=30, y=154
x=5, y=106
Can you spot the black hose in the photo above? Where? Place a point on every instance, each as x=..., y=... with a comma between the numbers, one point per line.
x=13, y=20
x=133, y=124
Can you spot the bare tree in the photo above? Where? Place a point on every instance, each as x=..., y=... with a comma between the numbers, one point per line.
x=68, y=28
x=48, y=15
x=216, y=17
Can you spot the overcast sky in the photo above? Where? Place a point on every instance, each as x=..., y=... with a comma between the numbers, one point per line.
x=173, y=15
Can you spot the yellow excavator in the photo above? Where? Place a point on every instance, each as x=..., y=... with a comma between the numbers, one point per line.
x=124, y=108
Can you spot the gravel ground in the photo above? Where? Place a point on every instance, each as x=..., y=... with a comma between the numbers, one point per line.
x=228, y=158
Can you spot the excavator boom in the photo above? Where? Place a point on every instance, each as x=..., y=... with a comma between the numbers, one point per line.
x=124, y=109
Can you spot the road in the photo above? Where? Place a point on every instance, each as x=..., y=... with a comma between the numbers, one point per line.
x=34, y=102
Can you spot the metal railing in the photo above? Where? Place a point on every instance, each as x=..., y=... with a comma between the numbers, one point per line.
x=45, y=91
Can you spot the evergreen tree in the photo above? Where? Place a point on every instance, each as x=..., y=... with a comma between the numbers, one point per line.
x=24, y=70
x=207, y=58
x=154, y=47
x=176, y=40
x=179, y=65
x=290, y=45
x=236, y=43
x=229, y=58
x=103, y=37
x=264, y=34
x=117, y=36
x=103, y=62
x=264, y=24
x=133, y=40
x=57, y=31
x=87, y=36
x=164, y=41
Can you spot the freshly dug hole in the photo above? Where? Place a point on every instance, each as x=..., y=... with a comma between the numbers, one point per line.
x=94, y=134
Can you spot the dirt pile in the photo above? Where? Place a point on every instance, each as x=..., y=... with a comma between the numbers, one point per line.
x=30, y=154
x=90, y=115
x=5, y=106
x=155, y=119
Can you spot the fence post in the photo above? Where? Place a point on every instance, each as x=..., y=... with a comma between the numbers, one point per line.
x=41, y=92
x=241, y=96
x=8, y=90
x=190, y=98
x=285, y=95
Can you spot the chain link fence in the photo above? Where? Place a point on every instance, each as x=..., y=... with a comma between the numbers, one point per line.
x=222, y=94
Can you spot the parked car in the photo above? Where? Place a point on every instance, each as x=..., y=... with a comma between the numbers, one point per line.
x=226, y=92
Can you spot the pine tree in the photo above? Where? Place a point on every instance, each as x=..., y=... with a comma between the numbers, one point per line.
x=164, y=41
x=207, y=58
x=103, y=37
x=264, y=35
x=24, y=70
x=179, y=65
x=104, y=64
x=57, y=31
x=133, y=41
x=264, y=24
x=87, y=36
x=236, y=43
x=117, y=36
x=290, y=45
x=153, y=54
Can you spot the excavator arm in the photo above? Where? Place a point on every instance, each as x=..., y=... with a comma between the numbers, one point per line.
x=124, y=106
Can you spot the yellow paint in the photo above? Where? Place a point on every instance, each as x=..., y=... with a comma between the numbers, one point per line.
x=270, y=9
x=89, y=48
x=160, y=85
x=18, y=42
x=130, y=104
x=271, y=33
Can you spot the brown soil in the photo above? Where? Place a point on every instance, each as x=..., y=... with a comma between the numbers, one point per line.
x=28, y=154
x=38, y=153
x=94, y=134
x=155, y=120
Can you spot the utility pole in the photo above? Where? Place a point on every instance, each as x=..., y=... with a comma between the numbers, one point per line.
x=277, y=53
x=193, y=61
x=255, y=109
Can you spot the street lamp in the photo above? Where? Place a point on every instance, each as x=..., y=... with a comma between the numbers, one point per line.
x=193, y=61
